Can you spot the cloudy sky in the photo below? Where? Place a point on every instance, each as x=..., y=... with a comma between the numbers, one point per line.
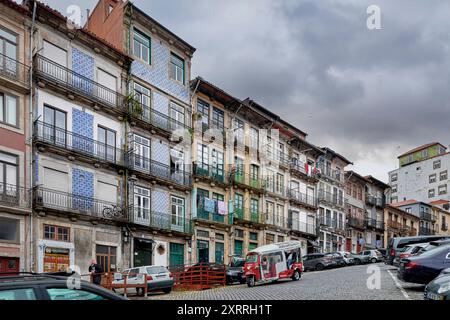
x=368, y=94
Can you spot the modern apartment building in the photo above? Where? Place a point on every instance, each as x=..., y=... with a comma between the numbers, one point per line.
x=332, y=211
x=399, y=223
x=422, y=175
x=374, y=214
x=15, y=151
x=422, y=210
x=158, y=134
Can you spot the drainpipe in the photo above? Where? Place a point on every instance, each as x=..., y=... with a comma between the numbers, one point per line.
x=30, y=130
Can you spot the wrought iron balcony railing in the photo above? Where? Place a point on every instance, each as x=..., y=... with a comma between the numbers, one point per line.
x=67, y=140
x=303, y=227
x=72, y=81
x=204, y=215
x=426, y=216
x=158, y=170
x=77, y=204
x=213, y=173
x=277, y=220
x=155, y=118
x=300, y=167
x=444, y=227
x=355, y=222
x=374, y=223
x=394, y=224
x=14, y=196
x=408, y=230
x=302, y=198
x=14, y=70
x=423, y=231
x=248, y=215
x=239, y=177
x=332, y=223
x=159, y=221
x=330, y=198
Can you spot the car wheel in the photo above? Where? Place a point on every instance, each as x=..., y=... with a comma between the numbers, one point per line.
x=296, y=276
x=319, y=267
x=373, y=260
x=250, y=282
x=140, y=292
x=357, y=261
x=167, y=290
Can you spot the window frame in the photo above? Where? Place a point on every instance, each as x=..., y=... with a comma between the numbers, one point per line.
x=56, y=233
x=3, y=97
x=17, y=222
x=142, y=35
x=174, y=66
x=4, y=164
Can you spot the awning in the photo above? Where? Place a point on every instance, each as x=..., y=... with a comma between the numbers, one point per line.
x=314, y=243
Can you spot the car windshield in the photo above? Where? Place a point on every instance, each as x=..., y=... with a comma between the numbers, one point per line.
x=238, y=263
x=156, y=270
x=434, y=251
x=251, y=258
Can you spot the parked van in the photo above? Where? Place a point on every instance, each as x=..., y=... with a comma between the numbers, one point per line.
x=399, y=243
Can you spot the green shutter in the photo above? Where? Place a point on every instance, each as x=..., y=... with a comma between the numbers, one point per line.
x=176, y=256
x=238, y=248
x=220, y=251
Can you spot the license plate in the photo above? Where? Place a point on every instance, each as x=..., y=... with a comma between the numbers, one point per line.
x=163, y=276
x=434, y=296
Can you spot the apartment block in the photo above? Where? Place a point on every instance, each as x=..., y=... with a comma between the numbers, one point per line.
x=375, y=202
x=441, y=210
x=422, y=210
x=399, y=223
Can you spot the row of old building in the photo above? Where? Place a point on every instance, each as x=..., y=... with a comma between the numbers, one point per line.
x=108, y=150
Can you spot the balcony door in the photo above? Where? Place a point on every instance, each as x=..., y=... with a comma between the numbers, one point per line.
x=177, y=166
x=177, y=115
x=8, y=178
x=107, y=144
x=143, y=96
x=141, y=205
x=55, y=55
x=54, y=129
x=8, y=53
x=141, y=148
x=295, y=220
x=178, y=212
x=217, y=165
x=109, y=86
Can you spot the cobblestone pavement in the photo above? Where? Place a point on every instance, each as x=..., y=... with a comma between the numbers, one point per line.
x=336, y=284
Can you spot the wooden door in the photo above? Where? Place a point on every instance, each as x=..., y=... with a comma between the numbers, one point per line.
x=9, y=266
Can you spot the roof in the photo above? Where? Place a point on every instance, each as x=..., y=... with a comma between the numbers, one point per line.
x=404, y=203
x=287, y=245
x=391, y=206
x=16, y=6
x=355, y=174
x=438, y=202
x=335, y=154
x=421, y=148
x=377, y=182
x=199, y=83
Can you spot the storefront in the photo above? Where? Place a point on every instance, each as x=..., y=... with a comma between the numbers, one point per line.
x=143, y=252
x=54, y=256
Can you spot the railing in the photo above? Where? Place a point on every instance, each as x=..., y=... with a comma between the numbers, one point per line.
x=204, y=215
x=444, y=227
x=303, y=227
x=409, y=230
x=159, y=220
x=198, y=276
x=299, y=166
x=302, y=197
x=374, y=223
x=331, y=222
x=67, y=140
x=73, y=81
x=246, y=214
x=157, y=169
x=14, y=196
x=394, y=224
x=68, y=202
x=216, y=174
x=14, y=70
x=335, y=175
x=425, y=231
x=241, y=178
x=278, y=157
x=275, y=189
x=154, y=117
x=355, y=222
x=330, y=198
x=375, y=201
x=426, y=216
x=277, y=220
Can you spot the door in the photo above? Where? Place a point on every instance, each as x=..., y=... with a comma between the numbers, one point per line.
x=178, y=214
x=219, y=254
x=55, y=63
x=106, y=257
x=54, y=127
x=143, y=96
x=217, y=165
x=238, y=248
x=108, y=92
x=142, y=252
x=8, y=53
x=9, y=266
x=203, y=251
x=177, y=116
x=141, y=148
x=176, y=254
x=106, y=144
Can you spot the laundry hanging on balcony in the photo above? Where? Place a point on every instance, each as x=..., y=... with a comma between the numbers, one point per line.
x=209, y=205
x=222, y=208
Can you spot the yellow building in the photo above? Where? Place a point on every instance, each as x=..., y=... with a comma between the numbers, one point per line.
x=441, y=210
x=399, y=223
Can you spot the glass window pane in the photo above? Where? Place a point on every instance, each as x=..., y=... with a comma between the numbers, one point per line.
x=60, y=119
x=18, y=294
x=8, y=158
x=7, y=35
x=11, y=110
x=11, y=175
x=68, y=294
x=2, y=117
x=49, y=115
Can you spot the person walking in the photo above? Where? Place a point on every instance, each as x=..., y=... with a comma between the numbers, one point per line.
x=96, y=270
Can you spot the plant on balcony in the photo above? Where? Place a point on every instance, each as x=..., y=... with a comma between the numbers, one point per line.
x=134, y=105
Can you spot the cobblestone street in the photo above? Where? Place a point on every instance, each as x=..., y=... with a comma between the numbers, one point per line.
x=336, y=284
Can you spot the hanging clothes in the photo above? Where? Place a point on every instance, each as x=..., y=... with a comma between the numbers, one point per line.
x=222, y=208
x=210, y=205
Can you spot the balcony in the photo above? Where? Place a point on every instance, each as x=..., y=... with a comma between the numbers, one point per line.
x=333, y=175
x=355, y=223
x=246, y=181
x=375, y=201
x=247, y=215
x=63, y=141
x=14, y=71
x=152, y=119
x=302, y=199
x=277, y=220
x=213, y=217
x=303, y=227
x=278, y=157
x=444, y=227
x=68, y=81
x=211, y=173
x=394, y=225
x=331, y=223
x=160, y=221
x=410, y=231
x=374, y=223
x=58, y=201
x=330, y=198
x=13, y=197
x=426, y=216
x=423, y=231
x=298, y=168
x=159, y=171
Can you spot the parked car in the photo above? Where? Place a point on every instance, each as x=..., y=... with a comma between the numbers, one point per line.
x=360, y=258
x=398, y=243
x=51, y=287
x=425, y=267
x=383, y=253
x=439, y=288
x=158, y=279
x=433, y=245
x=337, y=259
x=347, y=257
x=235, y=271
x=317, y=261
x=408, y=251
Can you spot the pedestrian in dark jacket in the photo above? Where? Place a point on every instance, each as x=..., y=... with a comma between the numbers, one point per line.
x=96, y=269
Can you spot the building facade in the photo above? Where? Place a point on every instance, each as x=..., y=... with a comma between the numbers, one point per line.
x=427, y=218
x=399, y=223
x=441, y=210
x=374, y=220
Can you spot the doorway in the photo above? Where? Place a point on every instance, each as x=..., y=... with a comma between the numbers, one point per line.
x=9, y=266
x=142, y=254
x=203, y=251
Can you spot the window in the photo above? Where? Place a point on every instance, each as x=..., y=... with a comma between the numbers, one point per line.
x=394, y=177
x=254, y=172
x=107, y=144
x=17, y=294
x=239, y=233
x=408, y=210
x=280, y=215
x=202, y=157
x=141, y=46
x=56, y=233
x=432, y=178
x=270, y=181
x=425, y=153
x=9, y=109
x=202, y=234
x=72, y=294
x=280, y=183
x=141, y=147
x=437, y=164
x=442, y=189
x=203, y=111
x=54, y=128
x=280, y=238
x=143, y=96
x=443, y=175
x=178, y=211
x=217, y=164
x=238, y=130
x=254, y=207
x=254, y=138
x=239, y=203
x=431, y=193
x=8, y=175
x=177, y=114
x=253, y=236
x=8, y=52
x=220, y=236
x=218, y=119
x=9, y=230
x=141, y=204
x=176, y=68
x=394, y=188
x=270, y=238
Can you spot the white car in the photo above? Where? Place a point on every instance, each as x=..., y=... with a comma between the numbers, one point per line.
x=375, y=255
x=347, y=257
x=158, y=279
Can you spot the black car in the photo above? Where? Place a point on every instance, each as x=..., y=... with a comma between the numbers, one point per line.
x=425, y=267
x=235, y=271
x=51, y=287
x=439, y=288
